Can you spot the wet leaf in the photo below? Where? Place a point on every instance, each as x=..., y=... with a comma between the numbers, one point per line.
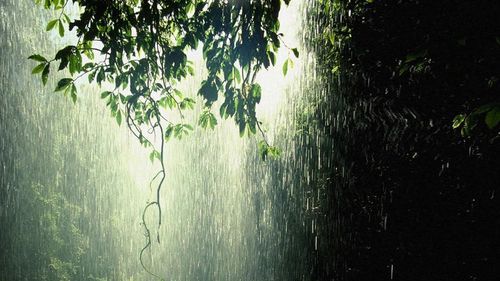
x=63, y=84
x=38, y=68
x=492, y=117
x=105, y=94
x=119, y=117
x=37, y=58
x=45, y=74
x=61, y=29
x=154, y=155
x=285, y=67
x=458, y=120
x=51, y=24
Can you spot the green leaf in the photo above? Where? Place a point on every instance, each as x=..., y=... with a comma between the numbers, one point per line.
x=403, y=69
x=190, y=9
x=92, y=76
x=73, y=93
x=105, y=94
x=38, y=68
x=178, y=93
x=335, y=69
x=274, y=151
x=119, y=117
x=483, y=109
x=256, y=91
x=190, y=70
x=64, y=63
x=458, y=120
x=285, y=67
x=45, y=73
x=415, y=56
x=168, y=132
x=36, y=57
x=492, y=117
x=295, y=52
x=203, y=121
x=66, y=18
x=51, y=24
x=242, y=126
x=75, y=63
x=74, y=97
x=100, y=76
x=252, y=126
x=212, y=121
x=208, y=91
x=88, y=66
x=167, y=101
x=187, y=103
x=181, y=129
x=272, y=57
x=61, y=28
x=236, y=74
x=266, y=150
x=207, y=119
x=223, y=110
x=154, y=155
x=263, y=149
x=331, y=38
x=63, y=83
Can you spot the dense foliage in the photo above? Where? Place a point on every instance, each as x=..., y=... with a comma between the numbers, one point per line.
x=142, y=48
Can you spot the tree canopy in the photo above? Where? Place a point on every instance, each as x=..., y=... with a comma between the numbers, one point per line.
x=141, y=47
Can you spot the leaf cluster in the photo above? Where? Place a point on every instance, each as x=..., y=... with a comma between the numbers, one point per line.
x=141, y=47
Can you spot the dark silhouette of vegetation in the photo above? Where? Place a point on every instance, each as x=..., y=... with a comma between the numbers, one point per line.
x=414, y=88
